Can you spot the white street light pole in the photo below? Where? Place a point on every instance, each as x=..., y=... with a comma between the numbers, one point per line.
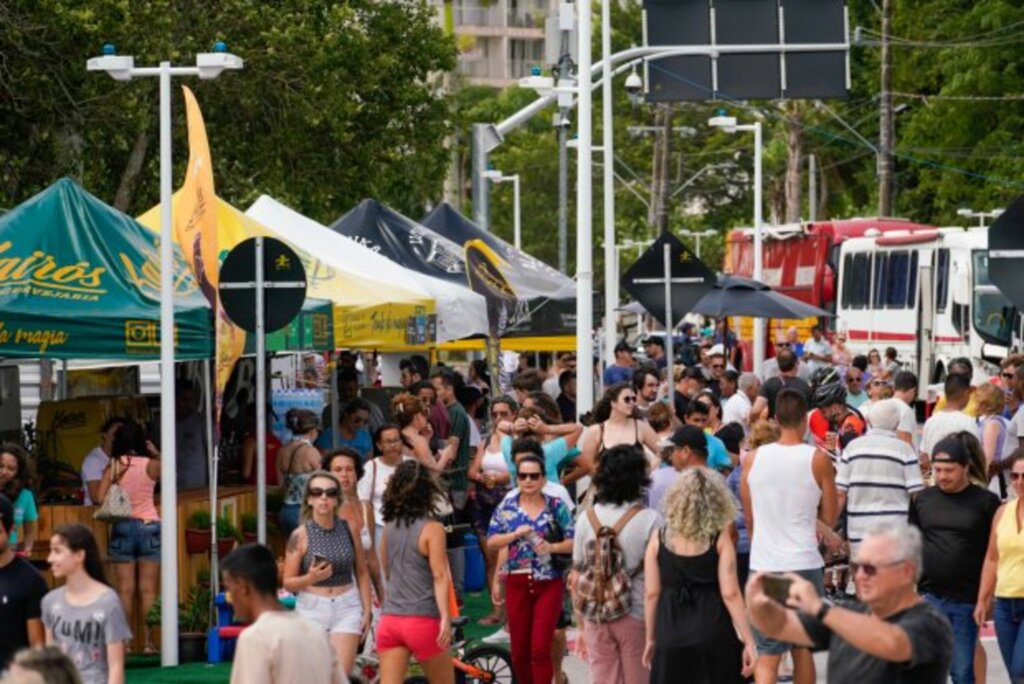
x=122, y=68
x=980, y=215
x=584, y=227
x=517, y=230
x=611, y=281
x=729, y=125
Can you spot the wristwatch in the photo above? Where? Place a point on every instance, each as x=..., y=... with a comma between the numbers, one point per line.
x=826, y=606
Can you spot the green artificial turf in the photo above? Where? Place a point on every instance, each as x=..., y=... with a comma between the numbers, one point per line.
x=147, y=670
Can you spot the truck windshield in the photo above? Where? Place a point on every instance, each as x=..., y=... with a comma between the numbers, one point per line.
x=993, y=313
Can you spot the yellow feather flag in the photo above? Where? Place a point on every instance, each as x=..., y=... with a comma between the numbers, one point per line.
x=195, y=227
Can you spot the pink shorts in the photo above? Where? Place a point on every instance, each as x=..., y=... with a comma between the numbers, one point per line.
x=417, y=633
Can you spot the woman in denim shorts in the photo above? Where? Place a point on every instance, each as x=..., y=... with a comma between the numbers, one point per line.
x=135, y=543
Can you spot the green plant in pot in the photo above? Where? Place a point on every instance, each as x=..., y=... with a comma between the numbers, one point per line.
x=249, y=527
x=197, y=532
x=193, y=620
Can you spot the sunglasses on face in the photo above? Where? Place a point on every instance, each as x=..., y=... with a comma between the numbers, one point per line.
x=717, y=366
x=1016, y=476
x=532, y=477
x=629, y=400
x=871, y=569
x=317, y=492
x=853, y=379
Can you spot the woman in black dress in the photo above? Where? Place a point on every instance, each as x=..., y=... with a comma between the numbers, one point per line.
x=692, y=604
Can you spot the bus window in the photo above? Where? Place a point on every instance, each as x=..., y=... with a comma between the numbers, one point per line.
x=847, y=280
x=941, y=280
x=912, y=289
x=897, y=279
x=993, y=312
x=881, y=269
x=860, y=292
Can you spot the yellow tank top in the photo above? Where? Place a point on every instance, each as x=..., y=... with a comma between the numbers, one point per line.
x=1010, y=542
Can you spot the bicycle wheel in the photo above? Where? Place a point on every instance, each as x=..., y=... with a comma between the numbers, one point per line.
x=494, y=661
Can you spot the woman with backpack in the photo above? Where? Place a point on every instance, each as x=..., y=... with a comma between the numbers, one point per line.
x=693, y=606
x=612, y=634
x=535, y=528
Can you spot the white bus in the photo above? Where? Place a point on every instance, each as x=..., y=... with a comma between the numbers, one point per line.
x=927, y=294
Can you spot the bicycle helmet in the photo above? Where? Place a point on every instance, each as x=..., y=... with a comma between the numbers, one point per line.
x=829, y=394
x=826, y=375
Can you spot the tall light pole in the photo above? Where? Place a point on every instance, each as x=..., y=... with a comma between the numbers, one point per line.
x=584, y=227
x=498, y=177
x=611, y=281
x=729, y=125
x=122, y=68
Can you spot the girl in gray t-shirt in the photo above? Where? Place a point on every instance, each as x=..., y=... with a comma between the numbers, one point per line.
x=84, y=618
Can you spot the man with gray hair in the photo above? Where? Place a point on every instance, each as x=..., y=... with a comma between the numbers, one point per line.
x=737, y=406
x=878, y=473
x=893, y=635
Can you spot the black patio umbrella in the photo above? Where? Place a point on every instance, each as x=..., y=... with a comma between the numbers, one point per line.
x=739, y=296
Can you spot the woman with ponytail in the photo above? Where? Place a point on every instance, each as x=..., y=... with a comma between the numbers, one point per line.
x=84, y=617
x=296, y=461
x=411, y=416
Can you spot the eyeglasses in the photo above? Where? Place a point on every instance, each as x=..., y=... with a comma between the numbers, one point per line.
x=871, y=569
x=317, y=492
x=391, y=441
x=629, y=400
x=532, y=477
x=1016, y=476
x=717, y=366
x=782, y=344
x=853, y=379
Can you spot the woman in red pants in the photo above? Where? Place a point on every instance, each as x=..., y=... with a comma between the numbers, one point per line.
x=533, y=526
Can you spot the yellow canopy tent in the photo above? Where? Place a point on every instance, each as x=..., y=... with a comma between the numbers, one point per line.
x=519, y=344
x=367, y=313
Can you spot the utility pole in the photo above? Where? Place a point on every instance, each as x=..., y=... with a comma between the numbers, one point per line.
x=794, y=162
x=812, y=188
x=662, y=170
x=885, y=123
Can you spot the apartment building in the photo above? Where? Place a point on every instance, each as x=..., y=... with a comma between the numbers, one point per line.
x=499, y=40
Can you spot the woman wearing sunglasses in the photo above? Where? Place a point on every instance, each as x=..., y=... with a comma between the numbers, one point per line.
x=615, y=423
x=532, y=526
x=326, y=572
x=1002, y=576
x=353, y=430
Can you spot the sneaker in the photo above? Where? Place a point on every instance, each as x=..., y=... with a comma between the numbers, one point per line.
x=500, y=636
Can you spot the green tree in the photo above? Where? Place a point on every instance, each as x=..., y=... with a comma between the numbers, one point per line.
x=337, y=101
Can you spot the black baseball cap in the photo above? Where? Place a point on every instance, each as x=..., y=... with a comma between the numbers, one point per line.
x=654, y=339
x=951, y=450
x=690, y=436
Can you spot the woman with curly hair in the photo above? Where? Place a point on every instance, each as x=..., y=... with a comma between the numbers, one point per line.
x=615, y=649
x=415, y=618
x=693, y=604
x=15, y=482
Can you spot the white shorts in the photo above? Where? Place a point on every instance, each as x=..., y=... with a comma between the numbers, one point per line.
x=341, y=614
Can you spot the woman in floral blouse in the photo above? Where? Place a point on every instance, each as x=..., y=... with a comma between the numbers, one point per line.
x=533, y=526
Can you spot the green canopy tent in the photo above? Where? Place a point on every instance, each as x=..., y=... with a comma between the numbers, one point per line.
x=79, y=279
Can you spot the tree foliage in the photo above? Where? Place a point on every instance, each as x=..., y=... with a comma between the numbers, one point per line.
x=337, y=101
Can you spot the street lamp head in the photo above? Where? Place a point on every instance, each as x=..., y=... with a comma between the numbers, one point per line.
x=211, y=64
x=562, y=121
x=118, y=66
x=493, y=175
x=535, y=70
x=635, y=87
x=965, y=212
x=726, y=123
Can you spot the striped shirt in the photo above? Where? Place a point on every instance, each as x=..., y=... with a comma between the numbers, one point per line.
x=878, y=472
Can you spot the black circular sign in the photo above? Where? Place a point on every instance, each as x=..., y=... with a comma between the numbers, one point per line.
x=281, y=265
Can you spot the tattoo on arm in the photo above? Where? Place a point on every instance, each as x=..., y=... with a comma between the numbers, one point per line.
x=293, y=542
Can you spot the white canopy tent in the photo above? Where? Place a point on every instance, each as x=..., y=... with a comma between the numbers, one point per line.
x=460, y=312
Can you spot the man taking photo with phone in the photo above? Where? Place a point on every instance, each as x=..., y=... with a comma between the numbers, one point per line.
x=894, y=635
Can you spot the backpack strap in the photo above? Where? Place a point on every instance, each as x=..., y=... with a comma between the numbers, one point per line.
x=626, y=517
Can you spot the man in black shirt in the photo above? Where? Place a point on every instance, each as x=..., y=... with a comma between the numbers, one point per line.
x=955, y=517
x=894, y=637
x=787, y=379
x=22, y=589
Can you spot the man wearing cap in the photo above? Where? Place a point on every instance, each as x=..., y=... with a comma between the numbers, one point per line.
x=622, y=369
x=654, y=347
x=689, y=450
x=22, y=589
x=689, y=383
x=954, y=517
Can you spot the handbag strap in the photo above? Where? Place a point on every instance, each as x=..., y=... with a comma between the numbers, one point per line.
x=116, y=473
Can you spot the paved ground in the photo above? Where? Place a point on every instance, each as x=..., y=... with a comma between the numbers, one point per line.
x=579, y=674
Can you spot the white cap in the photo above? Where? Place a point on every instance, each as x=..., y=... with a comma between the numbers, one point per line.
x=717, y=349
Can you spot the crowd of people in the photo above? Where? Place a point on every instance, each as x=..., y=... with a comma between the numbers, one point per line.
x=723, y=521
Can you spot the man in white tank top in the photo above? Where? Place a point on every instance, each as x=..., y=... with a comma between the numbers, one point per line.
x=787, y=487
